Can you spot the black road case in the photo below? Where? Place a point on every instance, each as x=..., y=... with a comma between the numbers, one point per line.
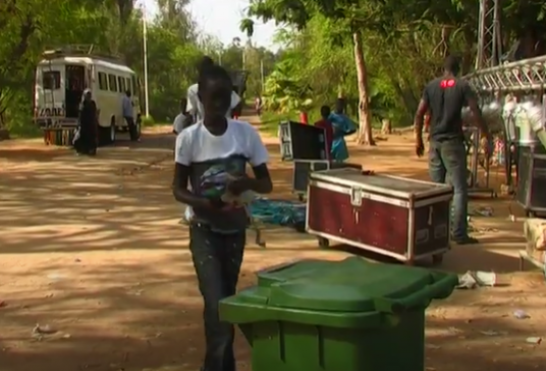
x=531, y=182
x=301, y=142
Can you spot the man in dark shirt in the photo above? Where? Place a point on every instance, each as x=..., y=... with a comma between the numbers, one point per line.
x=444, y=98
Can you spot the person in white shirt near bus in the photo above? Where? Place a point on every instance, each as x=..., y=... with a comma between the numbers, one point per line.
x=129, y=115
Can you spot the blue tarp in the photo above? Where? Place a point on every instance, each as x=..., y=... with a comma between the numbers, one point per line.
x=278, y=212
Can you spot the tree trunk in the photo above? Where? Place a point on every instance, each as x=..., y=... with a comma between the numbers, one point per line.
x=364, y=114
x=4, y=134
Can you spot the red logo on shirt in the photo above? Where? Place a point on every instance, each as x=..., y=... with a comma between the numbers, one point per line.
x=444, y=84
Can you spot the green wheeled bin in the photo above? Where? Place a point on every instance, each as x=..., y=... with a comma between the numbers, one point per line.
x=350, y=315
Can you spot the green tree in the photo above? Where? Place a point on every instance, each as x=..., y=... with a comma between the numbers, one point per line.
x=24, y=27
x=27, y=28
x=348, y=19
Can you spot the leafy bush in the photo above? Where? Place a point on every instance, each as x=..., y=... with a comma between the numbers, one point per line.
x=148, y=121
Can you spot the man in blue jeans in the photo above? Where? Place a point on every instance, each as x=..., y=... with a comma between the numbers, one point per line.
x=444, y=98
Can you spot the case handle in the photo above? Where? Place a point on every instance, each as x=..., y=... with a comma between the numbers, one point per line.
x=440, y=289
x=356, y=196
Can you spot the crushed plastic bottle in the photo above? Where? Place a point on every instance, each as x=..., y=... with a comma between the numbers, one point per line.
x=519, y=314
x=534, y=340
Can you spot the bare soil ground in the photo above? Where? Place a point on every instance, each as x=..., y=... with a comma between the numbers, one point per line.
x=92, y=248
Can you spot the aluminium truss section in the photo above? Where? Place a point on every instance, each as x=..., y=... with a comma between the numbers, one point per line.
x=489, y=34
x=527, y=75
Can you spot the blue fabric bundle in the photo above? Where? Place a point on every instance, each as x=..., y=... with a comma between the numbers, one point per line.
x=278, y=212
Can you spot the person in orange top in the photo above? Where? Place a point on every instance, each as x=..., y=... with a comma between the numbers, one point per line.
x=326, y=124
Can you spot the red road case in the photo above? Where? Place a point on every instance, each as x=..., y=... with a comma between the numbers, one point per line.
x=405, y=219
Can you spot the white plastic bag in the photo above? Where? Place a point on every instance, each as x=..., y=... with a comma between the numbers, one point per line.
x=77, y=135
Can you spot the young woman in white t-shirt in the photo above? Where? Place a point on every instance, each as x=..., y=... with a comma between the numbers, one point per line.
x=212, y=155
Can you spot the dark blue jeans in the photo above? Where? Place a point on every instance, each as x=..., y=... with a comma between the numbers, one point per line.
x=447, y=161
x=217, y=259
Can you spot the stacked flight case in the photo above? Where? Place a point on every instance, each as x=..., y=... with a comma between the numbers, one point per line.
x=305, y=145
x=531, y=179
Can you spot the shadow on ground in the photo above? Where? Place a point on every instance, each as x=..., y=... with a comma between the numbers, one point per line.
x=92, y=247
x=108, y=318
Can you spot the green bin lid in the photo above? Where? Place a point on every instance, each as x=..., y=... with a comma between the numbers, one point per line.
x=352, y=285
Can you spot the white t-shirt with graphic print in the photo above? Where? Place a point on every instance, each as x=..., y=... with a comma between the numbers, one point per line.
x=214, y=160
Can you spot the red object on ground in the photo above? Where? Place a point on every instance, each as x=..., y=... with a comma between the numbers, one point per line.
x=304, y=119
x=328, y=133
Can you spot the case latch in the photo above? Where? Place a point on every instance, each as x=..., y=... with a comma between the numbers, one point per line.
x=356, y=197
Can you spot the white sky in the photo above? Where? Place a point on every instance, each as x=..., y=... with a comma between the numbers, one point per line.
x=221, y=18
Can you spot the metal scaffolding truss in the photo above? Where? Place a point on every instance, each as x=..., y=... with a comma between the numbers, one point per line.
x=524, y=76
x=492, y=79
x=489, y=34
x=528, y=75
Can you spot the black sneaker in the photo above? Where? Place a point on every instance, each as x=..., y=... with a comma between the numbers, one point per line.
x=467, y=240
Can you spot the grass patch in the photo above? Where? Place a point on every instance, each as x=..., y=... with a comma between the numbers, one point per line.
x=147, y=121
x=25, y=131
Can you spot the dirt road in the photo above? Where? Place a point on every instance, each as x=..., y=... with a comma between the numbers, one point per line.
x=92, y=249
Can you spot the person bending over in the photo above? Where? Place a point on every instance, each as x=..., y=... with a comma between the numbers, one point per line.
x=195, y=106
x=183, y=119
x=444, y=98
x=212, y=155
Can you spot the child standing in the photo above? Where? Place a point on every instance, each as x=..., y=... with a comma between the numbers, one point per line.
x=211, y=155
x=343, y=126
